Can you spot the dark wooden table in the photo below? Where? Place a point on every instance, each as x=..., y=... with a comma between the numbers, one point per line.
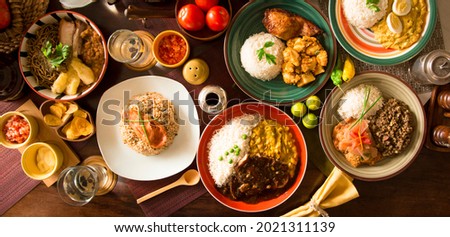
x=422, y=190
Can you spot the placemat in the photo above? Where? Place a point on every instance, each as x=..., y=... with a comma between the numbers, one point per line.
x=169, y=201
x=401, y=70
x=14, y=184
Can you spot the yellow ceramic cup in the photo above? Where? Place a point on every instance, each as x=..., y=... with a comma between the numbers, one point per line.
x=41, y=160
x=34, y=129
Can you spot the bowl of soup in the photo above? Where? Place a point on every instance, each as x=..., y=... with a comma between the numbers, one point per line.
x=63, y=56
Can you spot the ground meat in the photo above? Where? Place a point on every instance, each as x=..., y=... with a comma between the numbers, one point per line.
x=392, y=127
x=92, y=51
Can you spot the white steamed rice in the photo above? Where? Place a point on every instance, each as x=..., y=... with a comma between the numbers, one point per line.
x=358, y=14
x=227, y=137
x=261, y=69
x=353, y=102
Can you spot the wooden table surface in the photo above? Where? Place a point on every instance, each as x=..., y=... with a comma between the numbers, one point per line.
x=421, y=190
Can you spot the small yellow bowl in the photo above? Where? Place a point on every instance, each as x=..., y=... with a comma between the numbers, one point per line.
x=41, y=160
x=157, y=53
x=34, y=129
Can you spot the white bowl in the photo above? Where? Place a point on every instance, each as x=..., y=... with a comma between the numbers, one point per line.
x=391, y=87
x=55, y=17
x=69, y=4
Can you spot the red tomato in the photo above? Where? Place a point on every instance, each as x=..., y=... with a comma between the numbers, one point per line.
x=5, y=15
x=205, y=5
x=217, y=18
x=191, y=17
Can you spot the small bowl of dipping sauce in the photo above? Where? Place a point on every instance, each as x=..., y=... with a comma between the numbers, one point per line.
x=171, y=49
x=17, y=129
x=41, y=160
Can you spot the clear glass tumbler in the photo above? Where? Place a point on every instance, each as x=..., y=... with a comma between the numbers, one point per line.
x=131, y=48
x=125, y=46
x=77, y=185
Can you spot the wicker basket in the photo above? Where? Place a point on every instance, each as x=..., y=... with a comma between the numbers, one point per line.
x=23, y=14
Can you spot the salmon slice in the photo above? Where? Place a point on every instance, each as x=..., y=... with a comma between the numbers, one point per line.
x=147, y=129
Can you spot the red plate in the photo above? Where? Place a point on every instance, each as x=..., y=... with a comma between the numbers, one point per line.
x=268, y=112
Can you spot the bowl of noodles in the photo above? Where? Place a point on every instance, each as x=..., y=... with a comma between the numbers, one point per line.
x=63, y=56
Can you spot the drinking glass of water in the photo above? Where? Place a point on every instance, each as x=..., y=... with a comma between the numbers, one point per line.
x=77, y=185
x=132, y=48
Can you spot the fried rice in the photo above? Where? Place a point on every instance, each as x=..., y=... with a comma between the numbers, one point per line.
x=159, y=109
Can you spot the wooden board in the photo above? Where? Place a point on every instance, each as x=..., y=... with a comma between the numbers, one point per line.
x=47, y=134
x=436, y=117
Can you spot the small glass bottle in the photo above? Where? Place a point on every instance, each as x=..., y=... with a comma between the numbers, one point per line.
x=212, y=99
x=432, y=68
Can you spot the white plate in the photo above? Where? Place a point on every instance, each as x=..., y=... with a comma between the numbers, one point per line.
x=130, y=164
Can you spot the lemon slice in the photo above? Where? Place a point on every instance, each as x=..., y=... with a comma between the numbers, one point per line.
x=401, y=7
x=394, y=23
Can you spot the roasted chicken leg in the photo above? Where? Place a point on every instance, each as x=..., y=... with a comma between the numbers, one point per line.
x=286, y=25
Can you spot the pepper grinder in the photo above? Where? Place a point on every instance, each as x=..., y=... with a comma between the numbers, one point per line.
x=443, y=99
x=441, y=135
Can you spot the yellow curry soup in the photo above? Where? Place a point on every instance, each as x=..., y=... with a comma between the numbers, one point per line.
x=413, y=26
x=272, y=140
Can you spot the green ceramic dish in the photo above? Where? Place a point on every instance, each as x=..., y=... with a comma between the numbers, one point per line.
x=361, y=43
x=247, y=22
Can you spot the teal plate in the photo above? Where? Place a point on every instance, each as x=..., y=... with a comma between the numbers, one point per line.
x=361, y=43
x=248, y=21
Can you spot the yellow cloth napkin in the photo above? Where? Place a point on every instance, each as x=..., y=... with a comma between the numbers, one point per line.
x=336, y=190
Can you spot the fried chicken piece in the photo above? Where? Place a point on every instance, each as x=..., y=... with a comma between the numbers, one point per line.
x=303, y=59
x=286, y=25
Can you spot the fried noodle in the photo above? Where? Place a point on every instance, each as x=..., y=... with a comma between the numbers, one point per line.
x=43, y=72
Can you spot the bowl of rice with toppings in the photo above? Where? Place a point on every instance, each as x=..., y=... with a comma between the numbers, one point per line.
x=248, y=22
x=149, y=123
x=262, y=56
x=252, y=157
x=374, y=128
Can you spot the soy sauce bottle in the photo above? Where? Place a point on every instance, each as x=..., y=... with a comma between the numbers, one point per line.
x=12, y=85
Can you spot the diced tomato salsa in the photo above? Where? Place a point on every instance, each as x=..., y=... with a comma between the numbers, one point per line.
x=172, y=49
x=16, y=129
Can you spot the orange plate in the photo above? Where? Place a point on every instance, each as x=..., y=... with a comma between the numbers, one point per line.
x=268, y=112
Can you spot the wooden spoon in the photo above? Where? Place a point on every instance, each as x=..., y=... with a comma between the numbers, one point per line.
x=189, y=178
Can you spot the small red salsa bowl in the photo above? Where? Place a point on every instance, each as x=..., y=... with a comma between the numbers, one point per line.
x=171, y=49
x=17, y=129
